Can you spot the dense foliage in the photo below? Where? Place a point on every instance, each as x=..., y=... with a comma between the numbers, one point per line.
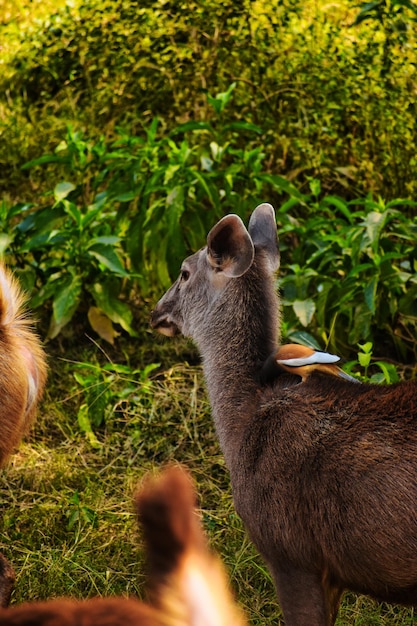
x=128, y=211
x=331, y=87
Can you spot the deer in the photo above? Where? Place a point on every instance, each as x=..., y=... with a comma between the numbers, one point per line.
x=187, y=583
x=323, y=470
x=22, y=381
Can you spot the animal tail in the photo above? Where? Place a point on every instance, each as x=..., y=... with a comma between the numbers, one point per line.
x=188, y=585
x=187, y=581
x=347, y=376
x=22, y=365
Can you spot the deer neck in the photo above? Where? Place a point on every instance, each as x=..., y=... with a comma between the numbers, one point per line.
x=239, y=340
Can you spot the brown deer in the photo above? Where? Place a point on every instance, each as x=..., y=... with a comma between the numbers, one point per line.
x=187, y=583
x=323, y=472
x=22, y=379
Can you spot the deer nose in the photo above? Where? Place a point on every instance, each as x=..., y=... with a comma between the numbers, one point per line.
x=163, y=323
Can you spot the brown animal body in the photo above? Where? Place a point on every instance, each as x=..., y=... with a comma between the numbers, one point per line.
x=22, y=379
x=324, y=473
x=187, y=583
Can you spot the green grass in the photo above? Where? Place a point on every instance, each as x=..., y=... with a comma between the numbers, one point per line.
x=67, y=517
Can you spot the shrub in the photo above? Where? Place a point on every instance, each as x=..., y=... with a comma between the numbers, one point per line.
x=334, y=97
x=127, y=212
x=352, y=273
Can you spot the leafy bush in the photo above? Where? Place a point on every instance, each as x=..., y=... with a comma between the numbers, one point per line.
x=128, y=211
x=68, y=251
x=334, y=96
x=132, y=208
x=352, y=274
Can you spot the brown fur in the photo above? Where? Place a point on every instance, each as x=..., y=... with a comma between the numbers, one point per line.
x=7, y=580
x=324, y=472
x=22, y=367
x=22, y=379
x=187, y=584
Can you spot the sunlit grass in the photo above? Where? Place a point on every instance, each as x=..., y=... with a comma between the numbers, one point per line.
x=20, y=17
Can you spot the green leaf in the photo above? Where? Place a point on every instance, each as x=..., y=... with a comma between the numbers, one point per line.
x=19, y=209
x=46, y=292
x=364, y=359
x=108, y=257
x=85, y=425
x=220, y=100
x=92, y=212
x=210, y=189
x=107, y=240
x=206, y=164
x=389, y=371
x=370, y=292
x=315, y=186
x=176, y=206
x=368, y=10
x=43, y=220
x=170, y=172
x=365, y=356
x=73, y=211
x=65, y=303
x=304, y=310
x=366, y=347
x=152, y=130
x=39, y=241
x=62, y=190
x=406, y=3
x=105, y=296
x=191, y=126
x=378, y=378
x=339, y=204
x=89, y=515
x=282, y=184
x=374, y=223
x=46, y=158
x=304, y=338
x=358, y=269
x=126, y=196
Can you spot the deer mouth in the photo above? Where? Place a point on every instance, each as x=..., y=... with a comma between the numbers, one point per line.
x=163, y=324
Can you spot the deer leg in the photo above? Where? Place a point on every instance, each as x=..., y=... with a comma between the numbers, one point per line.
x=306, y=599
x=7, y=578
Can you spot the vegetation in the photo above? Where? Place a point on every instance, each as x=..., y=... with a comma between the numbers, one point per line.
x=127, y=212
x=127, y=129
x=332, y=87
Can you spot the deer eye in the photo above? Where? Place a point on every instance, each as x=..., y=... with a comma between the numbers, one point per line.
x=185, y=275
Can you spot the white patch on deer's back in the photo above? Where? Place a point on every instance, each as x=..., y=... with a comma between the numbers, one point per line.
x=33, y=377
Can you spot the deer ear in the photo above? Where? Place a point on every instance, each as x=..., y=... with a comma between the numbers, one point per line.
x=229, y=247
x=263, y=231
